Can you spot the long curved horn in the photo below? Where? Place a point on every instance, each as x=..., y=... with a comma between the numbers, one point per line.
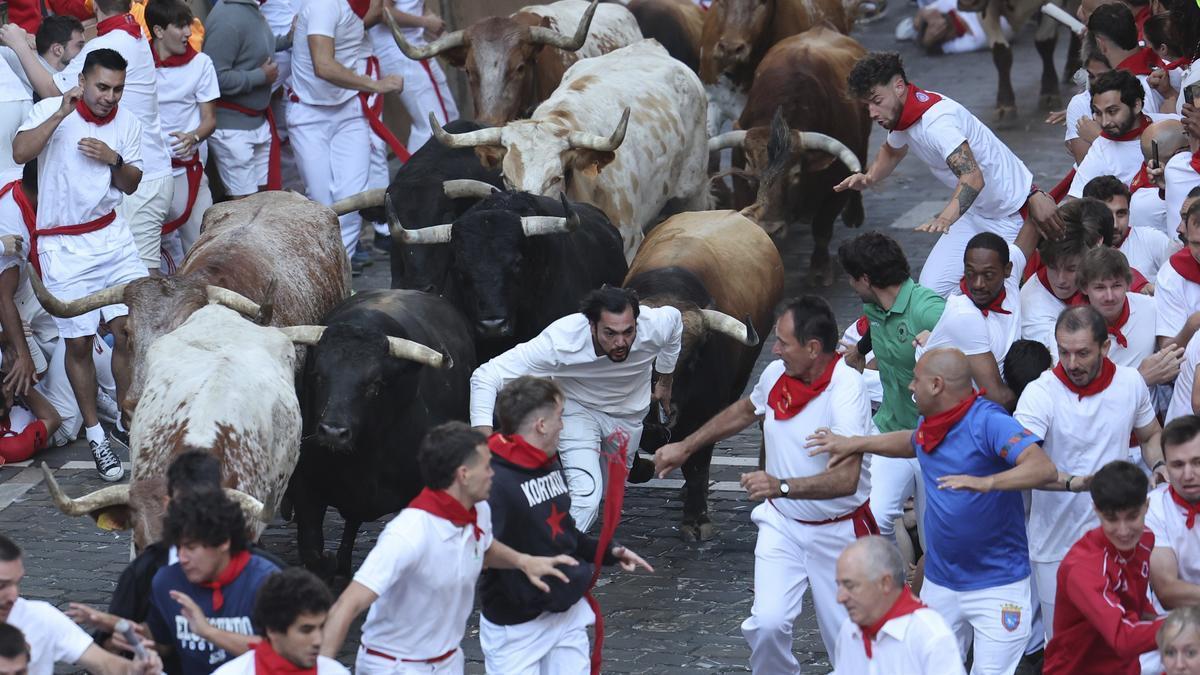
x=729, y=139
x=252, y=509
x=720, y=322
x=811, y=140
x=113, y=495
x=466, y=188
x=415, y=351
x=362, y=200
x=65, y=309
x=305, y=335
x=434, y=234
x=447, y=41
x=581, y=139
x=546, y=36
x=467, y=139
x=233, y=300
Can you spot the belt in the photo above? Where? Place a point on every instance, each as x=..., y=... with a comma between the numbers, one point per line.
x=373, y=112
x=194, y=171
x=274, y=172
x=81, y=228
x=389, y=657
x=864, y=520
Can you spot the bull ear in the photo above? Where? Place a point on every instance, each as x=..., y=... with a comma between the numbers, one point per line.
x=456, y=56
x=815, y=160
x=490, y=156
x=589, y=163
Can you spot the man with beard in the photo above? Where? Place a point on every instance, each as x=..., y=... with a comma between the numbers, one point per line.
x=1145, y=247
x=602, y=360
x=1117, y=106
x=1113, y=31
x=991, y=185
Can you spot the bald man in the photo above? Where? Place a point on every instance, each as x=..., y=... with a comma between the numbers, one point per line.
x=975, y=459
x=1147, y=204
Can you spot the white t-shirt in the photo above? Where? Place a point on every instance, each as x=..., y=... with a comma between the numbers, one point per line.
x=1175, y=299
x=52, y=637
x=1079, y=107
x=181, y=90
x=1080, y=437
x=1039, y=312
x=1148, y=210
x=1138, y=332
x=280, y=14
x=1179, y=178
x=1181, y=394
x=1146, y=249
x=244, y=665
x=424, y=569
x=335, y=20
x=12, y=87
x=939, y=132
x=843, y=405
x=140, y=97
x=964, y=326
x=1168, y=522
x=919, y=642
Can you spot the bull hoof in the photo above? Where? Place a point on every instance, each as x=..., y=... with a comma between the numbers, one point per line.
x=689, y=532
x=1005, y=116
x=324, y=565
x=821, y=275
x=1050, y=102
x=706, y=531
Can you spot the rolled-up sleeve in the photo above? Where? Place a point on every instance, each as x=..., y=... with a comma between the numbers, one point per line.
x=538, y=358
x=668, y=327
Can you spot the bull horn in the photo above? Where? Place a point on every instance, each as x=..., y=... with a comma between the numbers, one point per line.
x=113, y=495
x=466, y=188
x=434, y=234
x=444, y=43
x=720, y=322
x=811, y=140
x=235, y=301
x=581, y=139
x=415, y=351
x=65, y=309
x=729, y=139
x=252, y=509
x=533, y=226
x=362, y=200
x=545, y=36
x=466, y=139
x=305, y=335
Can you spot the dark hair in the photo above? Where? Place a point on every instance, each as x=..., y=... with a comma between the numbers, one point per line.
x=875, y=256
x=113, y=6
x=1102, y=263
x=813, y=319
x=29, y=175
x=9, y=551
x=445, y=448
x=1025, y=362
x=1179, y=431
x=521, y=398
x=193, y=471
x=1120, y=81
x=1157, y=30
x=285, y=595
x=612, y=299
x=104, y=58
x=1119, y=486
x=1194, y=208
x=1086, y=222
x=992, y=242
x=163, y=13
x=1115, y=22
x=208, y=517
x=12, y=642
x=1105, y=188
x=1185, y=26
x=1082, y=317
x=56, y=29
x=874, y=69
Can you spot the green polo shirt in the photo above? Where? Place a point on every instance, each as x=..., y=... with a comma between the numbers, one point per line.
x=916, y=309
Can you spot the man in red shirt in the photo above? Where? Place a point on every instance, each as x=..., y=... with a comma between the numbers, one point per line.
x=28, y=13
x=1103, y=619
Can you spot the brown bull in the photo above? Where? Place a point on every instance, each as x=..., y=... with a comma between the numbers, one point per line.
x=676, y=24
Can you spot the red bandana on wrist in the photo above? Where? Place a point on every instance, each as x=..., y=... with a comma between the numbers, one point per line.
x=1141, y=62
x=237, y=563
x=1187, y=267
x=1078, y=298
x=360, y=7
x=790, y=394
x=933, y=429
x=516, y=450
x=124, y=22
x=997, y=305
x=441, y=504
x=174, y=60
x=268, y=662
x=1114, y=328
x=915, y=105
x=1105, y=377
x=1189, y=509
x=905, y=604
x=1133, y=134
x=89, y=116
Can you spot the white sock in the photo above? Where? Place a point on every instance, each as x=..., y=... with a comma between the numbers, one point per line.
x=120, y=425
x=95, y=434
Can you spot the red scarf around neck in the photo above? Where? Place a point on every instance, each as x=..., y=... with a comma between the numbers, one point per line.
x=237, y=563
x=441, y=504
x=1104, y=378
x=1141, y=63
x=997, y=305
x=960, y=27
x=124, y=22
x=91, y=117
x=174, y=60
x=1187, y=267
x=1141, y=180
x=1189, y=509
x=1114, y=328
x=933, y=428
x=906, y=604
x=268, y=662
x=360, y=7
x=915, y=104
x=1131, y=135
x=516, y=450
x=790, y=394
x=1178, y=63
x=1078, y=298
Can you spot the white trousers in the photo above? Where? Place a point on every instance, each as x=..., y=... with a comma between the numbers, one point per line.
x=893, y=481
x=145, y=211
x=997, y=620
x=331, y=146
x=943, y=268
x=424, y=92
x=178, y=243
x=12, y=114
x=583, y=448
x=1046, y=578
x=56, y=387
x=369, y=664
x=555, y=643
x=790, y=558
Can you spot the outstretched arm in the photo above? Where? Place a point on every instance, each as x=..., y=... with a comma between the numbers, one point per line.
x=885, y=162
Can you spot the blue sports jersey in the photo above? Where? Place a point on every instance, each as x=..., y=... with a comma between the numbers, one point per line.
x=197, y=656
x=975, y=540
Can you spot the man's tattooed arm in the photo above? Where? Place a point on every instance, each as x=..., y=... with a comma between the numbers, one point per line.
x=970, y=178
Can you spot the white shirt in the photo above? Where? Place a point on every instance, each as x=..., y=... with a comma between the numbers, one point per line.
x=12, y=86
x=279, y=15
x=919, y=642
x=1181, y=394
x=1080, y=437
x=843, y=405
x=939, y=132
x=964, y=326
x=1079, y=107
x=1040, y=308
x=181, y=90
x=244, y=664
x=335, y=20
x=1106, y=157
x=564, y=352
x=52, y=637
x=12, y=222
x=1146, y=249
x=1168, y=522
x=1138, y=332
x=424, y=569
x=1148, y=210
x=1175, y=299
x=974, y=39
x=1179, y=178
x=140, y=97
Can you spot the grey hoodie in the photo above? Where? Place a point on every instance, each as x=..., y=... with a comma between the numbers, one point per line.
x=238, y=40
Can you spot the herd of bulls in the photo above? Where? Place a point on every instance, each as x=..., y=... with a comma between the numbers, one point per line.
x=590, y=165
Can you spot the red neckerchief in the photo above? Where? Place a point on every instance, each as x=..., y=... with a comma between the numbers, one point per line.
x=1141, y=180
x=933, y=428
x=237, y=563
x=1114, y=328
x=1187, y=267
x=1132, y=134
x=1078, y=298
x=790, y=394
x=174, y=60
x=915, y=104
x=862, y=325
x=360, y=7
x=997, y=305
x=1141, y=62
x=124, y=22
x=1189, y=509
x=905, y=604
x=1140, y=18
x=268, y=662
x=960, y=27
x=89, y=116
x=1178, y=63
x=1107, y=370
x=442, y=505
x=516, y=450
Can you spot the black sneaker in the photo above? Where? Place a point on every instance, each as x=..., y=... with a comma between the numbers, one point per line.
x=107, y=462
x=119, y=439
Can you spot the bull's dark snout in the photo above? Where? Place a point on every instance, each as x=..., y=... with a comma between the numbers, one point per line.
x=494, y=328
x=333, y=435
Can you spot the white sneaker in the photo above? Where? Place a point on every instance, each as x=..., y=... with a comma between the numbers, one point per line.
x=107, y=462
x=905, y=30
x=106, y=408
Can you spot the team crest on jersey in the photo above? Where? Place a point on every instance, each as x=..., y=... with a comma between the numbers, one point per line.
x=1010, y=617
x=902, y=331
x=922, y=96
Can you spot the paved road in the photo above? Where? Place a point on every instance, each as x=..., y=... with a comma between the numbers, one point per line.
x=686, y=617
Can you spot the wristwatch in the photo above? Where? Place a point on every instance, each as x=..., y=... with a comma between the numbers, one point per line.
x=119, y=163
x=784, y=488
